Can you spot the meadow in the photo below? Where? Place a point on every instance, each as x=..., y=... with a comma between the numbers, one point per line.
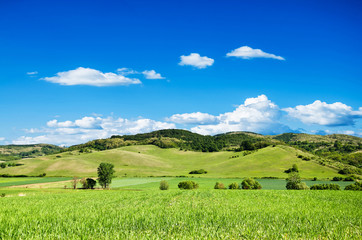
x=149, y=160
x=179, y=214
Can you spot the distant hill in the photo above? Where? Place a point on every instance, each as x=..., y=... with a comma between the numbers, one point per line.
x=338, y=152
x=14, y=152
x=149, y=160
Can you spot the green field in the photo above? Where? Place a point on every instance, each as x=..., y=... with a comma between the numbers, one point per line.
x=149, y=160
x=6, y=182
x=180, y=214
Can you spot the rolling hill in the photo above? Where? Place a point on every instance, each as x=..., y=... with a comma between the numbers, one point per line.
x=149, y=160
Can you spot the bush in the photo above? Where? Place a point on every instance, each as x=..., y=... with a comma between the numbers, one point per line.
x=331, y=186
x=349, y=179
x=219, y=186
x=200, y=171
x=42, y=175
x=357, y=186
x=2, y=195
x=337, y=179
x=188, y=185
x=249, y=183
x=294, y=182
x=164, y=185
x=234, y=185
x=314, y=179
x=3, y=165
x=91, y=183
x=294, y=168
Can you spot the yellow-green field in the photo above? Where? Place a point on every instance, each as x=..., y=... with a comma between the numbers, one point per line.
x=149, y=160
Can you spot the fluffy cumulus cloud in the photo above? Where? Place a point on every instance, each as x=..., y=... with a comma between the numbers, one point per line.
x=255, y=114
x=151, y=74
x=322, y=113
x=89, y=128
x=192, y=118
x=91, y=77
x=2, y=139
x=194, y=59
x=246, y=52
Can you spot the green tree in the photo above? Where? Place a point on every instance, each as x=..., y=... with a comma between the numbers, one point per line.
x=105, y=174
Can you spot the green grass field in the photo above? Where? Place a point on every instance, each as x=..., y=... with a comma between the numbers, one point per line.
x=149, y=160
x=180, y=214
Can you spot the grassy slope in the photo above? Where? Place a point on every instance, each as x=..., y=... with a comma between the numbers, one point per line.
x=150, y=160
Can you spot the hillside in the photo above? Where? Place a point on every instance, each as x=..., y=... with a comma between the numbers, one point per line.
x=15, y=152
x=149, y=160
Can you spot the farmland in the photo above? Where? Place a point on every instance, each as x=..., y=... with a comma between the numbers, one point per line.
x=177, y=214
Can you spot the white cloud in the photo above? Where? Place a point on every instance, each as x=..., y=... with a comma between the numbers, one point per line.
x=89, y=128
x=32, y=73
x=322, y=113
x=192, y=118
x=126, y=71
x=194, y=59
x=256, y=115
x=90, y=77
x=2, y=138
x=151, y=74
x=246, y=52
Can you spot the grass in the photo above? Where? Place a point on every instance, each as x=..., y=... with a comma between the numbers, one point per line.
x=6, y=182
x=177, y=214
x=149, y=160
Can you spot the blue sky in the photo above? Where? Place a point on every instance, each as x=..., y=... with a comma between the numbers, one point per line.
x=72, y=71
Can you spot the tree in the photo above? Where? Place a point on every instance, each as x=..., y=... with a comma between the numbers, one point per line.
x=105, y=174
x=91, y=183
x=75, y=182
x=294, y=182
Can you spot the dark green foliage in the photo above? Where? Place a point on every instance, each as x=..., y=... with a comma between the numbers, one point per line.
x=330, y=186
x=2, y=195
x=219, y=186
x=349, y=179
x=357, y=186
x=294, y=168
x=3, y=165
x=337, y=179
x=200, y=171
x=105, y=174
x=91, y=183
x=42, y=175
x=294, y=182
x=164, y=185
x=314, y=179
x=234, y=185
x=188, y=185
x=250, y=183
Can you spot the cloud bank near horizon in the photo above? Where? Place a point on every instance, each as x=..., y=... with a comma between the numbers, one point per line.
x=258, y=114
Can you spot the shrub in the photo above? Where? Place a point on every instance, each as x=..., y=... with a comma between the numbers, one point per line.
x=200, y=171
x=164, y=185
x=337, y=179
x=91, y=183
x=188, y=185
x=249, y=183
x=219, y=186
x=294, y=168
x=234, y=185
x=42, y=175
x=331, y=186
x=2, y=195
x=357, y=186
x=3, y=165
x=294, y=182
x=349, y=179
x=314, y=179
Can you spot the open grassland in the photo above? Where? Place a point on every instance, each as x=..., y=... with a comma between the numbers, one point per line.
x=177, y=214
x=149, y=160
